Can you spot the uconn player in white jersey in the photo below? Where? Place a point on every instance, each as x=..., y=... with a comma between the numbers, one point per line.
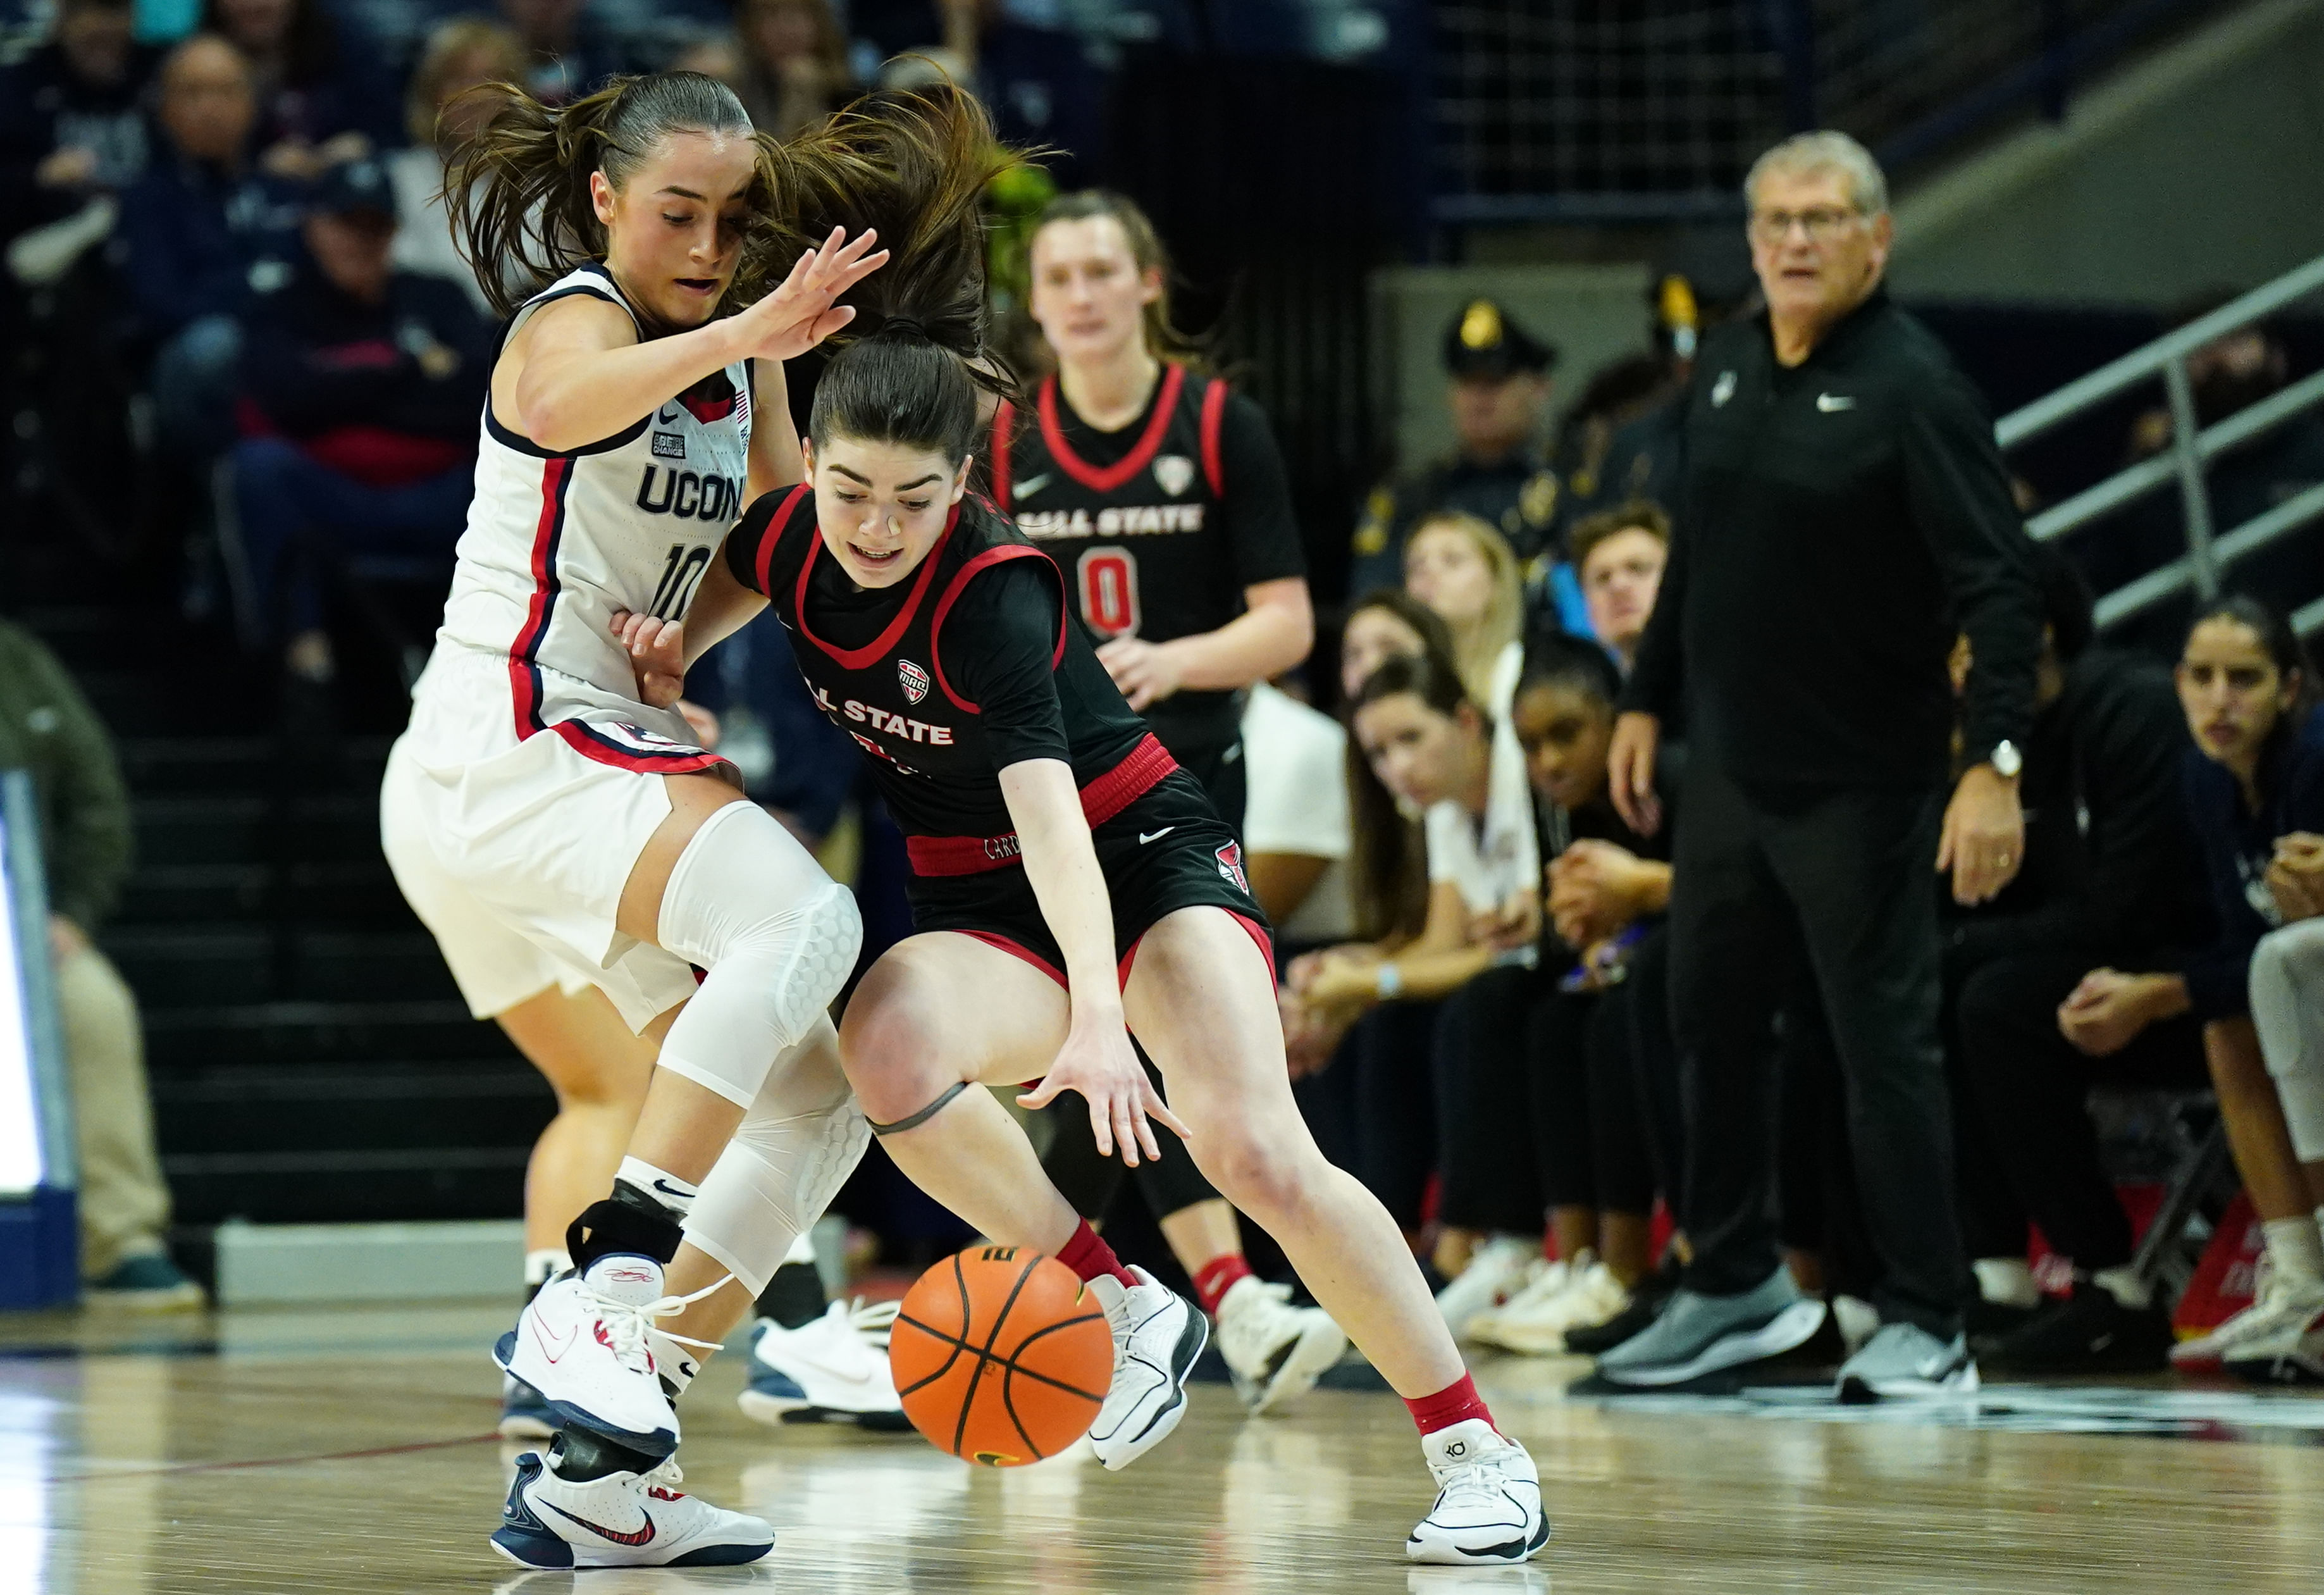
x=544, y=818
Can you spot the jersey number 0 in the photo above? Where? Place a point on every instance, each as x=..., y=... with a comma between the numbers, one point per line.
x=1108, y=579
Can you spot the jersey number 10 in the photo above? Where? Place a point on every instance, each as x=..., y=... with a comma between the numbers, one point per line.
x=680, y=575
x=1108, y=578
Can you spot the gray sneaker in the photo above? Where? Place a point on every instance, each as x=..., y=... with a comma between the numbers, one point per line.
x=1699, y=1334
x=1903, y=1360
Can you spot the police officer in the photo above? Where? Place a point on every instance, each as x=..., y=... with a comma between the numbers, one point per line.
x=1499, y=472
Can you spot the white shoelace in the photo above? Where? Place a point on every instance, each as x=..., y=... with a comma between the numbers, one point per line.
x=627, y=1323
x=1475, y=1483
x=873, y=1320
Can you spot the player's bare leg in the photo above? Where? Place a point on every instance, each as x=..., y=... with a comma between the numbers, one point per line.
x=935, y=1017
x=1202, y=999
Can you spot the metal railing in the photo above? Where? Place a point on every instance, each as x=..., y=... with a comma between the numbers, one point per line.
x=2210, y=550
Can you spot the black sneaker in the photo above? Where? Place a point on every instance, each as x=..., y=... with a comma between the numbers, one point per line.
x=1647, y=1302
x=2088, y=1332
x=1988, y=1322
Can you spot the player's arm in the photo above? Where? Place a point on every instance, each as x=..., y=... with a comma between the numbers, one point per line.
x=1061, y=863
x=575, y=373
x=775, y=461
x=661, y=651
x=1267, y=639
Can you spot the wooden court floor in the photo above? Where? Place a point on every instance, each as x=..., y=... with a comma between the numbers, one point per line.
x=350, y=1450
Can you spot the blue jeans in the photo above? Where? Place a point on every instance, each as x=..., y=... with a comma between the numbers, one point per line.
x=298, y=517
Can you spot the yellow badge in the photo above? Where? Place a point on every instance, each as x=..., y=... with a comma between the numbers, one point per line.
x=1371, y=531
x=1537, y=499
x=1481, y=326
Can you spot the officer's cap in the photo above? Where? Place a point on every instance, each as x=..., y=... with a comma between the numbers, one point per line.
x=1484, y=340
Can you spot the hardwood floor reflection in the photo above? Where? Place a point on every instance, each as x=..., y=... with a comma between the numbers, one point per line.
x=350, y=1452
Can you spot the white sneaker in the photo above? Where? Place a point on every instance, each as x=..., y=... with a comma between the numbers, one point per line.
x=583, y=1344
x=1158, y=1333
x=1534, y=1321
x=1500, y=1268
x=1274, y=1351
x=621, y=1520
x=1488, y=1499
x=2282, y=1308
x=834, y=1368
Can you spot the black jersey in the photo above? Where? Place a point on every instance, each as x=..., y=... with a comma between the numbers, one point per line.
x=967, y=667
x=1158, y=527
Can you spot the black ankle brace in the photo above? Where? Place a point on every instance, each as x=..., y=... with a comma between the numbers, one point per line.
x=628, y=1221
x=578, y=1456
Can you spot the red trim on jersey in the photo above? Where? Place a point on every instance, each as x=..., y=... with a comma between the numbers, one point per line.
x=1004, y=431
x=952, y=595
x=524, y=677
x=591, y=744
x=993, y=938
x=1214, y=409
x=1166, y=405
x=1250, y=928
x=872, y=653
x=1140, y=771
x=778, y=524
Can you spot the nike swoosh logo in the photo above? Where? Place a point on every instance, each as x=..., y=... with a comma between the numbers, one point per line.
x=1832, y=403
x=667, y=415
x=669, y=1190
x=1030, y=486
x=554, y=1348
x=1146, y=836
x=644, y=1536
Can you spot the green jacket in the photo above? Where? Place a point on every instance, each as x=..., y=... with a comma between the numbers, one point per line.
x=49, y=729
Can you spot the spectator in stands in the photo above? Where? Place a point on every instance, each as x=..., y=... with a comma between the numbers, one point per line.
x=1362, y=1058
x=2105, y=884
x=787, y=61
x=49, y=729
x=1844, y=513
x=465, y=54
x=1619, y=557
x=1434, y=750
x=1464, y=570
x=1557, y=1096
x=73, y=128
x=364, y=384
x=2249, y=697
x=944, y=31
x=568, y=53
x=202, y=230
x=1498, y=470
x=1295, y=834
x=316, y=98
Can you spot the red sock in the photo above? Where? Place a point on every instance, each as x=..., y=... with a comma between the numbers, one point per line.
x=1214, y=1279
x=1452, y=1405
x=1089, y=1257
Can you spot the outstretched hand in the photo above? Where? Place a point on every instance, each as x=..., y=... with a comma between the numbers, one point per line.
x=800, y=313
x=1098, y=1063
x=657, y=651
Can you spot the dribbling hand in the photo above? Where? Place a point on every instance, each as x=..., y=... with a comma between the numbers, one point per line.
x=800, y=313
x=1098, y=1063
x=657, y=651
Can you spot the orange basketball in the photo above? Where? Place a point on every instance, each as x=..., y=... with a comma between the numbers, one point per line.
x=1001, y=1356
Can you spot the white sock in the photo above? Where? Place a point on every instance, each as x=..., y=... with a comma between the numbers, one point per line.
x=541, y=1266
x=2126, y=1286
x=2006, y=1282
x=2296, y=1247
x=667, y=1188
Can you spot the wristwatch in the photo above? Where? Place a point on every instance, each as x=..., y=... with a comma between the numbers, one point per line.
x=2006, y=760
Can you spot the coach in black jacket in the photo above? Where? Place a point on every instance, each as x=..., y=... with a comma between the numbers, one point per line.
x=1844, y=512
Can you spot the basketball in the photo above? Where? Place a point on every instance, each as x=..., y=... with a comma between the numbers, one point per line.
x=1001, y=1356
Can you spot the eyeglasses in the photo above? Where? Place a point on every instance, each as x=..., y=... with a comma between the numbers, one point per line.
x=1822, y=224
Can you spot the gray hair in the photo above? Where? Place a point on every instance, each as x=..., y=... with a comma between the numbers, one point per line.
x=1825, y=152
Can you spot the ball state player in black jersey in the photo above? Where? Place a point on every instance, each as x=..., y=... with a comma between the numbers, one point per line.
x=1159, y=493
x=1070, y=884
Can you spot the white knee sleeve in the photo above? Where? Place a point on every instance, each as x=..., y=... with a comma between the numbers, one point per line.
x=2287, y=1003
x=775, y=934
x=800, y=1140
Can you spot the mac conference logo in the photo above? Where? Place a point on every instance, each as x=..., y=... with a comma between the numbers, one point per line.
x=1174, y=473
x=915, y=680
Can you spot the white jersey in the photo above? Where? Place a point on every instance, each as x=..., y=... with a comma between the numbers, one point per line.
x=556, y=544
